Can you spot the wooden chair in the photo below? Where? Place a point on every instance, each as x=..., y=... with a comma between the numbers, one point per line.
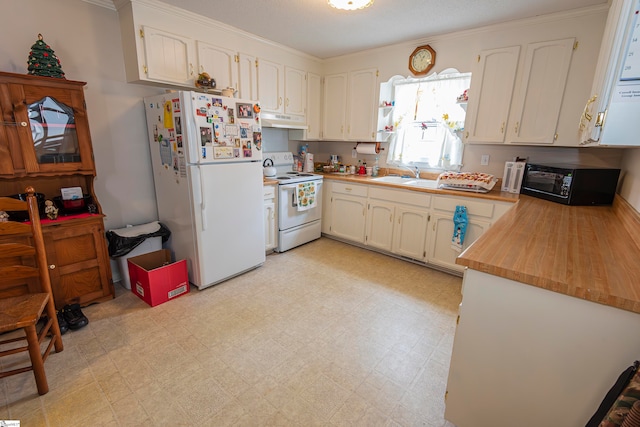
x=23, y=260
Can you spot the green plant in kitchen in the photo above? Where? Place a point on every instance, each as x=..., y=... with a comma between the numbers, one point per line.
x=43, y=60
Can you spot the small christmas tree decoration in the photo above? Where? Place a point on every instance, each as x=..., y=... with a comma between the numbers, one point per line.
x=43, y=61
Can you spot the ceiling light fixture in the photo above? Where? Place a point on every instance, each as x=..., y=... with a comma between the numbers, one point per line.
x=350, y=4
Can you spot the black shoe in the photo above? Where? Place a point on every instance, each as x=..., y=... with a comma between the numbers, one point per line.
x=64, y=327
x=74, y=317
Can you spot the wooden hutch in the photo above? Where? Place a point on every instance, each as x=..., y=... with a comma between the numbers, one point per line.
x=45, y=142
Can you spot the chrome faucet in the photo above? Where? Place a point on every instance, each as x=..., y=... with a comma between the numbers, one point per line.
x=415, y=170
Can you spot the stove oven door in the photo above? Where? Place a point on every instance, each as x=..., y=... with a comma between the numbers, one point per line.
x=289, y=214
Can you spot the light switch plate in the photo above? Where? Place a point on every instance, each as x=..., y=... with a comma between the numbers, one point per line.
x=484, y=160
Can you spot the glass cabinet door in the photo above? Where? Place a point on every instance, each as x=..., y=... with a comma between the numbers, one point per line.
x=53, y=130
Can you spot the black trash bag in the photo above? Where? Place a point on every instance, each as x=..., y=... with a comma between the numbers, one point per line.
x=120, y=246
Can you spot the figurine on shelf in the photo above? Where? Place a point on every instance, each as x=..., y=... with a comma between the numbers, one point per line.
x=204, y=81
x=50, y=210
x=4, y=217
x=464, y=97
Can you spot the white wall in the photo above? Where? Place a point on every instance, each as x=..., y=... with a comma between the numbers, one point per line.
x=630, y=183
x=86, y=39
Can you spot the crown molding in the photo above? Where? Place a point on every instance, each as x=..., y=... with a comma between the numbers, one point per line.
x=108, y=4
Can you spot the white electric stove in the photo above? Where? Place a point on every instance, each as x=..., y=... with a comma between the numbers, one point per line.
x=298, y=223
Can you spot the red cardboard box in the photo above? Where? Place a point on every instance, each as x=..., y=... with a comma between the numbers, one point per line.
x=155, y=279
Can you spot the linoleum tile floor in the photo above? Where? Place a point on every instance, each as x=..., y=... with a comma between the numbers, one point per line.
x=326, y=334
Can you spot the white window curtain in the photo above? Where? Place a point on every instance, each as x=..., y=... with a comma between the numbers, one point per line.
x=428, y=119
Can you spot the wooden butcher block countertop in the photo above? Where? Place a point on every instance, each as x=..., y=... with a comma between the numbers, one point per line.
x=589, y=252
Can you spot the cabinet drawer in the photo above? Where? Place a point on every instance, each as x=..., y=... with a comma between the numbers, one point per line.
x=474, y=207
x=415, y=198
x=345, y=188
x=269, y=192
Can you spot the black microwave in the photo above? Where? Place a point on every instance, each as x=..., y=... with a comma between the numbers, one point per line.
x=570, y=184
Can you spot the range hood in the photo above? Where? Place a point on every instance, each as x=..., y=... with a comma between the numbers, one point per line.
x=283, y=121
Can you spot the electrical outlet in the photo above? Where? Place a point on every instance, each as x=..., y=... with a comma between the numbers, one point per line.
x=484, y=160
x=354, y=154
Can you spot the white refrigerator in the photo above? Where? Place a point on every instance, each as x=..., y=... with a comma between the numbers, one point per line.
x=206, y=152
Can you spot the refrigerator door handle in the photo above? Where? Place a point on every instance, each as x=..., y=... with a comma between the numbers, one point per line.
x=203, y=201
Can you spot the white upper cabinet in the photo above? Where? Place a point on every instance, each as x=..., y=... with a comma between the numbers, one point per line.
x=220, y=63
x=529, y=114
x=314, y=108
x=538, y=99
x=248, y=76
x=490, y=95
x=313, y=111
x=169, y=58
x=281, y=89
x=295, y=91
x=270, y=85
x=350, y=106
x=362, y=105
x=611, y=114
x=334, y=107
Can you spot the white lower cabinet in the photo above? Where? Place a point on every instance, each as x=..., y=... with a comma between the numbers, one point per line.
x=348, y=211
x=480, y=214
x=270, y=220
x=410, y=231
x=407, y=223
x=439, y=250
x=380, y=215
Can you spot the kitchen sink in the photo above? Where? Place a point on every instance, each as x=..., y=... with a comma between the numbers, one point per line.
x=393, y=179
x=422, y=183
x=408, y=181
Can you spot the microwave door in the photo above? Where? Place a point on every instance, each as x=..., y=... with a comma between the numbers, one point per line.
x=553, y=183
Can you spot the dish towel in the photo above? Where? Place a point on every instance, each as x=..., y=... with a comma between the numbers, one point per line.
x=460, y=222
x=306, y=195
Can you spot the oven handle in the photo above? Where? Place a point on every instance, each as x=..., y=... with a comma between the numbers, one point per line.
x=293, y=187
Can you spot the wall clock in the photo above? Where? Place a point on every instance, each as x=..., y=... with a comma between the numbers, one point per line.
x=422, y=60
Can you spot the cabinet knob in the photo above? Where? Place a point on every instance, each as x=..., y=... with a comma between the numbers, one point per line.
x=52, y=267
x=24, y=124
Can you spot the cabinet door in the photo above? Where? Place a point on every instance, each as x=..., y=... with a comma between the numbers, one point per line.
x=10, y=147
x=295, y=91
x=616, y=78
x=79, y=264
x=410, y=230
x=270, y=85
x=334, y=107
x=52, y=129
x=380, y=224
x=270, y=230
x=348, y=217
x=539, y=96
x=248, y=70
x=490, y=95
x=168, y=57
x=439, y=251
x=314, y=100
x=219, y=63
x=362, y=105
